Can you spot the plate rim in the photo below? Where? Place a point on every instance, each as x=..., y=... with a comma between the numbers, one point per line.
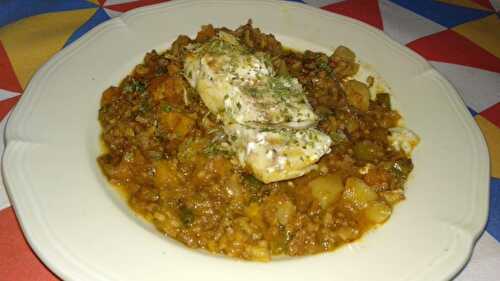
x=15, y=139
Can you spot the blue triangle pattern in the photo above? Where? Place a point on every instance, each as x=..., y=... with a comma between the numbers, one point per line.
x=493, y=226
x=99, y=16
x=442, y=13
x=472, y=111
x=12, y=11
x=298, y=1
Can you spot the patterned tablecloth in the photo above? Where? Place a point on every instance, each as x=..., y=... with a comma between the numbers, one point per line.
x=460, y=38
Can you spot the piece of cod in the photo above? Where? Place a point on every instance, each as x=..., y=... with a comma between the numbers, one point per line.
x=267, y=117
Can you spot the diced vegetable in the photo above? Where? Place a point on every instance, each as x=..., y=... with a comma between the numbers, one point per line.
x=344, y=53
x=120, y=172
x=384, y=99
x=351, y=124
x=281, y=67
x=347, y=233
x=165, y=173
x=259, y=252
x=285, y=211
x=377, y=178
x=358, y=94
x=141, y=70
x=252, y=181
x=179, y=43
x=221, y=166
x=393, y=196
x=338, y=137
x=170, y=89
x=186, y=215
x=359, y=193
x=368, y=151
x=108, y=95
x=134, y=86
x=377, y=212
x=343, y=61
x=327, y=189
x=176, y=122
x=370, y=81
x=402, y=167
x=146, y=194
x=403, y=139
x=254, y=212
x=166, y=108
x=173, y=69
x=171, y=224
x=206, y=32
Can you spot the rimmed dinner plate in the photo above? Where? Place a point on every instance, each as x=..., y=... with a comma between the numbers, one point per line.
x=82, y=230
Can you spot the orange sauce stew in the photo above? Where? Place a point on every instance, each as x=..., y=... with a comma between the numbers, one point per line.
x=161, y=149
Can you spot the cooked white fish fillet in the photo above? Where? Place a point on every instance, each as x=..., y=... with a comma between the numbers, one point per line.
x=229, y=79
x=273, y=101
x=267, y=116
x=278, y=154
x=216, y=69
x=404, y=139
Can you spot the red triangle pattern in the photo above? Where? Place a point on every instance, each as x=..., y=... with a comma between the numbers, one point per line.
x=451, y=47
x=8, y=79
x=492, y=114
x=101, y=2
x=366, y=11
x=6, y=105
x=132, y=5
x=18, y=260
x=484, y=3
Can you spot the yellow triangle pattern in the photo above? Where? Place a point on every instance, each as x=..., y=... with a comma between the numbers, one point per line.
x=492, y=135
x=465, y=3
x=50, y=32
x=94, y=2
x=484, y=32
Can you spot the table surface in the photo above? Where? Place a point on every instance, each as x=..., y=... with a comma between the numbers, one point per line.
x=460, y=38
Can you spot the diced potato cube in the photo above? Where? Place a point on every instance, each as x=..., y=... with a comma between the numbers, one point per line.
x=165, y=173
x=120, y=172
x=206, y=32
x=344, y=53
x=108, y=95
x=393, y=196
x=141, y=70
x=171, y=224
x=347, y=233
x=170, y=89
x=327, y=189
x=254, y=213
x=285, y=211
x=221, y=166
x=344, y=62
x=377, y=212
x=259, y=252
x=358, y=94
x=368, y=150
x=176, y=122
x=359, y=193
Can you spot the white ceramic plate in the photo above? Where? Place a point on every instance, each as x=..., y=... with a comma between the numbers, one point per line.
x=83, y=231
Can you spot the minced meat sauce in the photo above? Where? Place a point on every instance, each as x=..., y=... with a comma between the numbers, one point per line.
x=170, y=156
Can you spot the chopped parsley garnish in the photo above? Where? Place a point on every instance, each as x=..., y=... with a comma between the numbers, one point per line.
x=252, y=181
x=167, y=108
x=215, y=148
x=135, y=86
x=186, y=215
x=338, y=137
